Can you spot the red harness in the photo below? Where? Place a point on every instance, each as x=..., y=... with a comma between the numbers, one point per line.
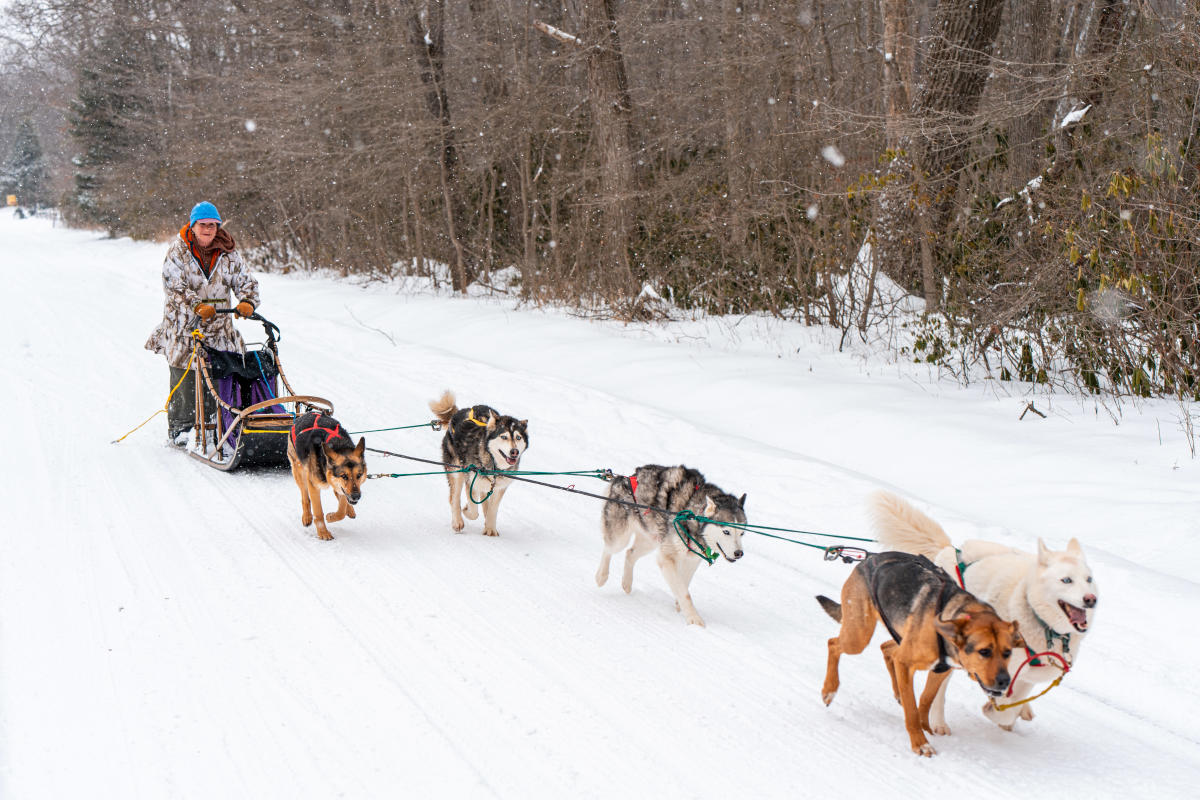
x=331, y=433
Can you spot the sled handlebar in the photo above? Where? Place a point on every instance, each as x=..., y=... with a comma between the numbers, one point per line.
x=272, y=330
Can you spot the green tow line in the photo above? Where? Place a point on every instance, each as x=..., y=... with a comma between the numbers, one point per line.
x=690, y=540
x=831, y=553
x=434, y=424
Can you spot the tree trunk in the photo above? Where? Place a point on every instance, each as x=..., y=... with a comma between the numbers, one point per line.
x=612, y=121
x=956, y=71
x=895, y=246
x=428, y=43
x=1091, y=80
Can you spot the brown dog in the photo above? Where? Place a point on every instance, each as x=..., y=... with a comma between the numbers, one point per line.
x=323, y=457
x=933, y=623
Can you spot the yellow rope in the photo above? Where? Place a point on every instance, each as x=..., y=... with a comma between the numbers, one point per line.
x=167, y=404
x=1004, y=706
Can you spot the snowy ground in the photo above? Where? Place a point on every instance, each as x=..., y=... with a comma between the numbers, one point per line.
x=167, y=630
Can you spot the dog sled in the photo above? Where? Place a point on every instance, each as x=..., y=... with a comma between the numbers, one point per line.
x=242, y=419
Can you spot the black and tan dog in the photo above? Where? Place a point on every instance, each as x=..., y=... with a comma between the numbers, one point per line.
x=933, y=623
x=479, y=436
x=324, y=457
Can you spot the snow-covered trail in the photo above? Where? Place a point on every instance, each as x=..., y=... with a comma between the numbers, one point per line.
x=170, y=631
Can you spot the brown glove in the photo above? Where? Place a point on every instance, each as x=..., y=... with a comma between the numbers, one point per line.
x=244, y=309
x=206, y=311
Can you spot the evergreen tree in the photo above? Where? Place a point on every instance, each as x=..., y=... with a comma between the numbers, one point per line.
x=103, y=122
x=26, y=175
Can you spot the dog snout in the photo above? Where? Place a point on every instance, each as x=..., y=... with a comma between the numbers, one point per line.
x=354, y=497
x=737, y=554
x=1003, y=680
x=1089, y=601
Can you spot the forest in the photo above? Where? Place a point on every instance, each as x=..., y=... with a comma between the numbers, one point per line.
x=1026, y=169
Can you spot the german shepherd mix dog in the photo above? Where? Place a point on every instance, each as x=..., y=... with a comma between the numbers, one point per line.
x=933, y=623
x=323, y=457
x=1051, y=595
x=483, y=437
x=674, y=489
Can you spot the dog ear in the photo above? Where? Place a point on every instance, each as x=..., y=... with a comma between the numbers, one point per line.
x=1043, y=553
x=950, y=629
x=1074, y=548
x=742, y=501
x=361, y=447
x=491, y=423
x=710, y=507
x=524, y=423
x=1018, y=641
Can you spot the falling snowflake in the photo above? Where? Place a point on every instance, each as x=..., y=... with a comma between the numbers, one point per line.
x=833, y=155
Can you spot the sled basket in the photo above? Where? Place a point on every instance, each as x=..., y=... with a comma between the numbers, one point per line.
x=252, y=416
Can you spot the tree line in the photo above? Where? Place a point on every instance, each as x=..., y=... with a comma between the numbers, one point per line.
x=1027, y=168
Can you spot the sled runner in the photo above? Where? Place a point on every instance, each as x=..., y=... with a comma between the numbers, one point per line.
x=252, y=418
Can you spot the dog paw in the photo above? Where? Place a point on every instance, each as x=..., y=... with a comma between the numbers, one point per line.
x=458, y=525
x=350, y=512
x=940, y=730
x=627, y=586
x=827, y=697
x=1027, y=712
x=694, y=619
x=325, y=536
x=306, y=519
x=470, y=512
x=1005, y=719
x=333, y=516
x=601, y=577
x=925, y=749
x=490, y=532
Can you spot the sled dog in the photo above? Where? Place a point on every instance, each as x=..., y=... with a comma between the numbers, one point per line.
x=323, y=457
x=1051, y=595
x=483, y=437
x=933, y=623
x=674, y=489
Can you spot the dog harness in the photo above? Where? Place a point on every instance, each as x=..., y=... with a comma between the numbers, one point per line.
x=1050, y=635
x=471, y=418
x=330, y=433
x=948, y=589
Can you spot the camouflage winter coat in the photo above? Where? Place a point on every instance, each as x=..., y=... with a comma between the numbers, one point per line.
x=185, y=285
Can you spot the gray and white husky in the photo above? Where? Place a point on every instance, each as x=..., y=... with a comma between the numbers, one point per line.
x=483, y=437
x=1051, y=595
x=674, y=489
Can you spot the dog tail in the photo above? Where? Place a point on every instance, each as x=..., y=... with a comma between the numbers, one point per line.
x=444, y=408
x=900, y=526
x=832, y=608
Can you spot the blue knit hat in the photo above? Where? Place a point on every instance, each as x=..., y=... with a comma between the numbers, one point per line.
x=204, y=210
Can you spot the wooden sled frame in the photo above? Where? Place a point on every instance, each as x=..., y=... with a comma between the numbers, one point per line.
x=252, y=435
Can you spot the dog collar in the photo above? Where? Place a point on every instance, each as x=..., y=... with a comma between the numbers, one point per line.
x=960, y=568
x=948, y=589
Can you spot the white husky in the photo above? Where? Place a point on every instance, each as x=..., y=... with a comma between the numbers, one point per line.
x=1050, y=595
